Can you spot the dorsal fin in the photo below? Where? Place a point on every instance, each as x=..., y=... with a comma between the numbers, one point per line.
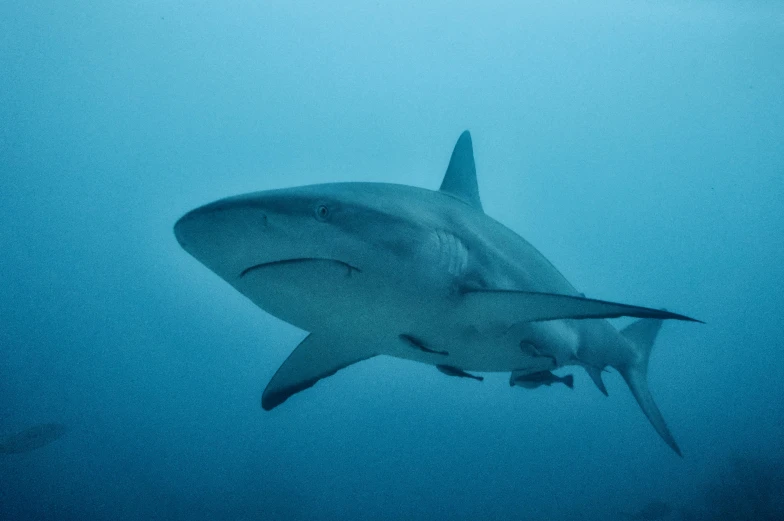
x=460, y=178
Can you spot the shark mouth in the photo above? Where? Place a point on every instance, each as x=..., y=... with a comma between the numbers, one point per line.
x=263, y=265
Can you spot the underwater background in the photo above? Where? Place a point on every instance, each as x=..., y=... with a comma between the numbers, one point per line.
x=638, y=145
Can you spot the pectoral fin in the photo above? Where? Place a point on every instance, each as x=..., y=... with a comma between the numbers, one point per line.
x=313, y=359
x=493, y=306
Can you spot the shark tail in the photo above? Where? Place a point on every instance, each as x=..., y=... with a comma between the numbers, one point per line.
x=641, y=335
x=569, y=381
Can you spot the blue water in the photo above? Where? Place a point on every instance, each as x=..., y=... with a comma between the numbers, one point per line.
x=638, y=145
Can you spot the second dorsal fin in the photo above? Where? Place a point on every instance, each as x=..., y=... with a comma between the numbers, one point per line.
x=460, y=178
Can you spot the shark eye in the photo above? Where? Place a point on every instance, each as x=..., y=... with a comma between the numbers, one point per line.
x=322, y=213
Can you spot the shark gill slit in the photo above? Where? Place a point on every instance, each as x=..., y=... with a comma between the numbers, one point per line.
x=297, y=261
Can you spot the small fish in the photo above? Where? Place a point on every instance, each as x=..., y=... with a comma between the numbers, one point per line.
x=33, y=438
x=534, y=380
x=451, y=370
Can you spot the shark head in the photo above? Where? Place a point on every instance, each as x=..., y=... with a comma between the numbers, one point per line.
x=232, y=235
x=294, y=251
x=352, y=224
x=340, y=222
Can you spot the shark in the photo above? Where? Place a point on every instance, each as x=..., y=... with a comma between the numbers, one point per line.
x=370, y=269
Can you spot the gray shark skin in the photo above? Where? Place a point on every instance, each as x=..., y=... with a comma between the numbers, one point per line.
x=374, y=269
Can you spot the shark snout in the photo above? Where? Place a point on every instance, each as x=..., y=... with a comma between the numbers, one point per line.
x=188, y=227
x=217, y=219
x=181, y=228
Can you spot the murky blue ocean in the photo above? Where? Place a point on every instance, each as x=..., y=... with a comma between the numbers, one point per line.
x=638, y=145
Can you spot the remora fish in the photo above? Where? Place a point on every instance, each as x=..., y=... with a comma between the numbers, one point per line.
x=374, y=269
x=454, y=371
x=539, y=378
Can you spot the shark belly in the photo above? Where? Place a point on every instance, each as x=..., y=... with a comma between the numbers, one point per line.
x=417, y=318
x=515, y=347
x=325, y=295
x=416, y=315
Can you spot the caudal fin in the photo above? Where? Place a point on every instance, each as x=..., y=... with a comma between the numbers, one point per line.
x=569, y=381
x=641, y=335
